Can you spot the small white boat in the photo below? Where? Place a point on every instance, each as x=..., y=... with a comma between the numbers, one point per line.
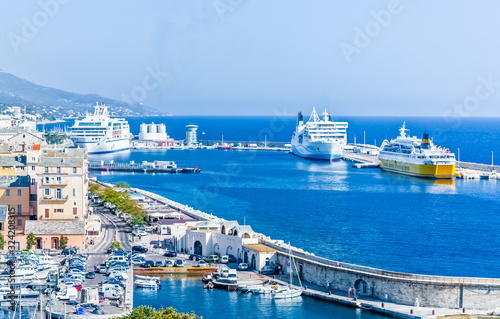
x=147, y=277
x=146, y=283
x=290, y=292
x=287, y=293
x=260, y=289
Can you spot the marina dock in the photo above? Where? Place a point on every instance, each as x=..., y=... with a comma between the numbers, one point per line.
x=144, y=167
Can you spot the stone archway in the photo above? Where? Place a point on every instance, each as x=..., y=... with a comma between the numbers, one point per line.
x=198, y=248
x=362, y=287
x=229, y=250
x=245, y=257
x=254, y=262
x=246, y=235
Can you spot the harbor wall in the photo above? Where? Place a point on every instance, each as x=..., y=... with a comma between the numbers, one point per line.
x=478, y=167
x=400, y=288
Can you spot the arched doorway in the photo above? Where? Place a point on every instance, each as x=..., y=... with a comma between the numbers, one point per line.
x=361, y=287
x=198, y=248
x=229, y=250
x=254, y=262
x=223, y=230
x=39, y=243
x=246, y=235
x=235, y=233
x=54, y=243
x=245, y=258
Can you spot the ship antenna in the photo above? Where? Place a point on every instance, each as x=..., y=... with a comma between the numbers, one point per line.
x=314, y=116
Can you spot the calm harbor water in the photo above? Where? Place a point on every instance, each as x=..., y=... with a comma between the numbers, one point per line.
x=187, y=295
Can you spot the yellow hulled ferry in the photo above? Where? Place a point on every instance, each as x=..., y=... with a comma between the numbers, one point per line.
x=416, y=157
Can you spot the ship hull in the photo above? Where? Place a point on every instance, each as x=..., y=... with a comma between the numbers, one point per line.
x=318, y=151
x=116, y=145
x=439, y=171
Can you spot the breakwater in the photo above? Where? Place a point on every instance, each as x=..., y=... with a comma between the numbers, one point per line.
x=394, y=287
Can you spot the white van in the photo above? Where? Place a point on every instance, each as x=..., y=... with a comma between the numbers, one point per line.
x=68, y=293
x=116, y=258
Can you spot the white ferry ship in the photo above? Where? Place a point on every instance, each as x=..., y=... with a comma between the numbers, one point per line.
x=415, y=157
x=101, y=134
x=319, y=139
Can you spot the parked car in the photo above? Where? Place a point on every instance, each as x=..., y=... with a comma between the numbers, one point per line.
x=148, y=263
x=90, y=275
x=169, y=263
x=69, y=251
x=212, y=259
x=170, y=254
x=195, y=257
x=202, y=263
x=138, y=261
x=140, y=249
x=158, y=263
x=224, y=260
x=243, y=266
x=232, y=258
x=179, y=263
x=102, y=268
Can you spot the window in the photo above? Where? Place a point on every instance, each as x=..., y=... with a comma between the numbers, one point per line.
x=46, y=191
x=58, y=170
x=32, y=159
x=46, y=170
x=74, y=170
x=33, y=181
x=58, y=210
x=7, y=192
x=19, y=222
x=58, y=193
x=19, y=192
x=19, y=210
x=74, y=191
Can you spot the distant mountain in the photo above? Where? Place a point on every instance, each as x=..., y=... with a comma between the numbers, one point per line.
x=50, y=102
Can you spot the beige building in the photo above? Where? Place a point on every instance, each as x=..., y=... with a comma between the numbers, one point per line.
x=14, y=193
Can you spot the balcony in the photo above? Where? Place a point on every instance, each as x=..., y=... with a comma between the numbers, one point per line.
x=54, y=183
x=54, y=199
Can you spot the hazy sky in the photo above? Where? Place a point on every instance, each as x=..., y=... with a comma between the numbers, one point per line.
x=439, y=58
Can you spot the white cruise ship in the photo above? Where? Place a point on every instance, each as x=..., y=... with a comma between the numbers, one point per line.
x=319, y=139
x=416, y=157
x=101, y=134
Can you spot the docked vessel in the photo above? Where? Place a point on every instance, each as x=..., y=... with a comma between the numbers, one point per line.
x=319, y=139
x=416, y=157
x=224, y=146
x=100, y=133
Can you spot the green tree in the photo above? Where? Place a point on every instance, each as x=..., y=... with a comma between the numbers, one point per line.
x=95, y=188
x=122, y=185
x=2, y=241
x=63, y=242
x=30, y=240
x=115, y=245
x=143, y=312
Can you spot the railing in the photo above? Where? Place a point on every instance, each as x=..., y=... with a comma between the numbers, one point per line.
x=50, y=198
x=54, y=183
x=380, y=272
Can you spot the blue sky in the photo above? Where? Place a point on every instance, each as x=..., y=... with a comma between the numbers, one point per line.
x=239, y=57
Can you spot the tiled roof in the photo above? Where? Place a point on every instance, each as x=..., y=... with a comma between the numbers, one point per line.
x=54, y=227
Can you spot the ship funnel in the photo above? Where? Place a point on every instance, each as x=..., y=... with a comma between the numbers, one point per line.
x=300, y=119
x=426, y=142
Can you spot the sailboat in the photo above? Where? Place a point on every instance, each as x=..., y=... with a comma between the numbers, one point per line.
x=224, y=146
x=290, y=291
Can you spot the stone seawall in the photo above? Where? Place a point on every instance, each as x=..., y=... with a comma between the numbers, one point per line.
x=400, y=288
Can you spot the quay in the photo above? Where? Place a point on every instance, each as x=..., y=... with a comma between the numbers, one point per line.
x=144, y=167
x=363, y=156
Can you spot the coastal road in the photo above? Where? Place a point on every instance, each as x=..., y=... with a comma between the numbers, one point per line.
x=114, y=228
